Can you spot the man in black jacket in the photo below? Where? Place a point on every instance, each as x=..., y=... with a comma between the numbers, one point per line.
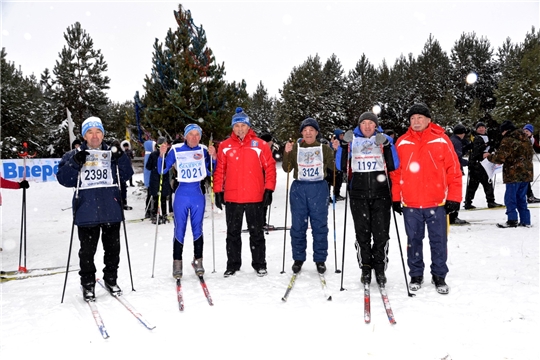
x=482, y=147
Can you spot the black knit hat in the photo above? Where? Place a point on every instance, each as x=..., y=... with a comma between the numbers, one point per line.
x=309, y=122
x=480, y=123
x=369, y=116
x=419, y=108
x=460, y=129
x=507, y=125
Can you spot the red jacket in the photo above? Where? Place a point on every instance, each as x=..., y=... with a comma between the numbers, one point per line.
x=244, y=169
x=8, y=184
x=429, y=171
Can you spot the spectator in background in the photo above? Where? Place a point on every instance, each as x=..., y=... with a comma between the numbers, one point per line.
x=515, y=153
x=341, y=163
x=75, y=144
x=148, y=148
x=482, y=146
x=158, y=182
x=130, y=155
x=461, y=145
x=270, y=141
x=529, y=130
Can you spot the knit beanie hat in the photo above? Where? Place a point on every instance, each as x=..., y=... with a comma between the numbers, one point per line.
x=338, y=132
x=368, y=115
x=480, y=123
x=90, y=123
x=190, y=127
x=419, y=108
x=529, y=127
x=459, y=129
x=266, y=137
x=309, y=122
x=240, y=117
x=507, y=125
x=78, y=142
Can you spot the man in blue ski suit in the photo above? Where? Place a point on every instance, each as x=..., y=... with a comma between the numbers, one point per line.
x=193, y=166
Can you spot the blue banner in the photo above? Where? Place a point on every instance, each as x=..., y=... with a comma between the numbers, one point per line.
x=37, y=170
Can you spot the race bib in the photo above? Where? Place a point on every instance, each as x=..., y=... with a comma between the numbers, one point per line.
x=366, y=155
x=310, y=163
x=97, y=171
x=190, y=165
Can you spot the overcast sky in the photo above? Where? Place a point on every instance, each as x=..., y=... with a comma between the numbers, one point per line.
x=257, y=41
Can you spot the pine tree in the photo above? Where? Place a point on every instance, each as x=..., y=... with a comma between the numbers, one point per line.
x=300, y=99
x=472, y=54
x=261, y=112
x=78, y=85
x=22, y=110
x=518, y=92
x=186, y=85
x=332, y=100
x=361, y=90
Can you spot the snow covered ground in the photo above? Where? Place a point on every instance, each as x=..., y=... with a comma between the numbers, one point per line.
x=492, y=311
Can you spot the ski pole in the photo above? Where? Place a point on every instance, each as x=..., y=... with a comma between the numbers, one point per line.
x=71, y=237
x=212, y=202
x=334, y=215
x=113, y=149
x=158, y=210
x=397, y=231
x=268, y=221
x=286, y=212
x=22, y=249
x=345, y=218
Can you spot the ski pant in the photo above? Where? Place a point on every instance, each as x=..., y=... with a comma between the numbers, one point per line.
x=234, y=215
x=110, y=238
x=416, y=221
x=515, y=199
x=189, y=204
x=477, y=176
x=309, y=200
x=372, y=219
x=178, y=249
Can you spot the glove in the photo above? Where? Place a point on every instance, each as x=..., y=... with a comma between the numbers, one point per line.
x=116, y=150
x=24, y=184
x=267, y=198
x=396, y=205
x=220, y=200
x=380, y=139
x=451, y=206
x=80, y=157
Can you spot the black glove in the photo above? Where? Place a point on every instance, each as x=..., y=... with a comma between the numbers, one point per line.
x=116, y=150
x=380, y=139
x=396, y=205
x=220, y=200
x=267, y=198
x=24, y=184
x=80, y=157
x=451, y=206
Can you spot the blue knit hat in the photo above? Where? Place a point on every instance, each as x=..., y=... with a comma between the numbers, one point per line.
x=240, y=117
x=529, y=127
x=338, y=132
x=190, y=127
x=309, y=122
x=90, y=123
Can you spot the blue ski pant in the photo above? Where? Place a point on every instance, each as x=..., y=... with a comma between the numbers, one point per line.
x=416, y=221
x=309, y=204
x=189, y=205
x=515, y=199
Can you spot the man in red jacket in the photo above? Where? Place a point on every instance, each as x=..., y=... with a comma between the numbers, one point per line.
x=244, y=180
x=428, y=185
